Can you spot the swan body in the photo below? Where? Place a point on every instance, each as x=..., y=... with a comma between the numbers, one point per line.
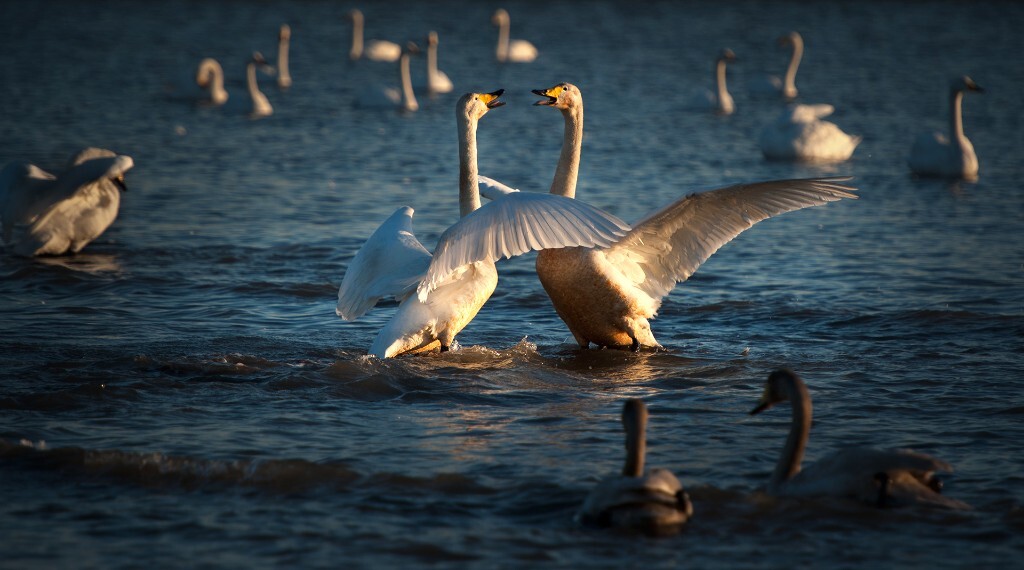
x=436, y=81
x=933, y=154
x=210, y=78
x=43, y=214
x=606, y=296
x=510, y=50
x=284, y=36
x=374, y=50
x=385, y=97
x=785, y=86
x=799, y=133
x=653, y=501
x=881, y=477
x=719, y=100
x=440, y=293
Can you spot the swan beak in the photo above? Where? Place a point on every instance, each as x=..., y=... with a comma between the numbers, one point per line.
x=763, y=404
x=119, y=182
x=491, y=99
x=550, y=95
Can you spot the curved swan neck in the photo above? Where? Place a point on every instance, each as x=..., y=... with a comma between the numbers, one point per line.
x=634, y=420
x=503, y=39
x=956, y=122
x=723, y=91
x=408, y=97
x=568, y=169
x=789, y=86
x=800, y=430
x=356, y=51
x=211, y=75
x=469, y=190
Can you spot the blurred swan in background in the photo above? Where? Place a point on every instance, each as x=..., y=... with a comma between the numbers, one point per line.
x=881, y=477
x=284, y=36
x=258, y=105
x=43, y=214
x=606, y=295
x=935, y=155
x=653, y=502
x=786, y=86
x=516, y=51
x=719, y=100
x=375, y=50
x=210, y=78
x=800, y=134
x=435, y=81
x=401, y=97
x=440, y=293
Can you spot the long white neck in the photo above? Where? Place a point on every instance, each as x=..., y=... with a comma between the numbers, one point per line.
x=260, y=104
x=725, y=104
x=284, y=79
x=356, y=51
x=211, y=74
x=469, y=189
x=789, y=85
x=956, y=121
x=634, y=419
x=568, y=169
x=408, y=97
x=431, y=65
x=503, y=39
x=800, y=430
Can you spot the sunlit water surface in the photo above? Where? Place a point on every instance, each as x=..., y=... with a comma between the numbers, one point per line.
x=182, y=394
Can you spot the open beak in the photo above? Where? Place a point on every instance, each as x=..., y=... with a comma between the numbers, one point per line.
x=491, y=99
x=550, y=95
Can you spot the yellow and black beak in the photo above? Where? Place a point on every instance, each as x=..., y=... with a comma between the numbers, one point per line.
x=550, y=95
x=491, y=99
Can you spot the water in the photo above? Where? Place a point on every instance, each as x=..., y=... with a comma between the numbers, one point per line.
x=181, y=393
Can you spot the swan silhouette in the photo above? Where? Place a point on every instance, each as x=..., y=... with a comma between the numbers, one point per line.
x=653, y=502
x=509, y=50
x=284, y=36
x=440, y=293
x=881, y=477
x=935, y=155
x=387, y=97
x=43, y=214
x=799, y=133
x=719, y=100
x=210, y=78
x=435, y=81
x=375, y=50
x=785, y=86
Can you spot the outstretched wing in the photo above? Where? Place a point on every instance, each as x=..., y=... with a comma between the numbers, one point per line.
x=23, y=193
x=670, y=244
x=492, y=189
x=515, y=224
x=390, y=264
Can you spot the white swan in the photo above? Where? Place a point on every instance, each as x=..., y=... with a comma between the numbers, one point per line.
x=44, y=214
x=259, y=105
x=401, y=97
x=786, y=86
x=935, y=155
x=435, y=81
x=606, y=296
x=653, y=502
x=210, y=78
x=284, y=36
x=881, y=477
x=799, y=133
x=453, y=284
x=516, y=51
x=376, y=50
x=719, y=100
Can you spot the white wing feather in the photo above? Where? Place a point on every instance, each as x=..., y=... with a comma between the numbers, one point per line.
x=390, y=264
x=492, y=189
x=670, y=244
x=515, y=224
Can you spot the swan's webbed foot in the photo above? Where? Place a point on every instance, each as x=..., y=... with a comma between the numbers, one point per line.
x=883, y=489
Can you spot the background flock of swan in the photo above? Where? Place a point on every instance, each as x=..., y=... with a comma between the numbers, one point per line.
x=606, y=278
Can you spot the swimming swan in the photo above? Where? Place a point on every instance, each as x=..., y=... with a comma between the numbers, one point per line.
x=719, y=100
x=606, y=295
x=786, y=87
x=210, y=78
x=375, y=50
x=653, y=502
x=799, y=133
x=935, y=155
x=516, y=51
x=881, y=477
x=440, y=294
x=402, y=97
x=257, y=105
x=436, y=81
x=44, y=214
x=284, y=36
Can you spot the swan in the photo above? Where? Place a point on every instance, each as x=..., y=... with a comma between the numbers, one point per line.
x=607, y=295
x=516, y=51
x=440, y=293
x=257, y=105
x=210, y=78
x=284, y=36
x=402, y=97
x=436, y=81
x=43, y=214
x=718, y=100
x=375, y=50
x=882, y=477
x=653, y=502
x=799, y=133
x=935, y=155
x=786, y=87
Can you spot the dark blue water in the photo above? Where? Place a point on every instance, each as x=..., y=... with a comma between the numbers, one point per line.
x=181, y=393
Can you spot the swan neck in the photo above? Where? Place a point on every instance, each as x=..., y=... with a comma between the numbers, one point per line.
x=250, y=79
x=796, y=442
x=723, y=91
x=356, y=51
x=469, y=189
x=282, y=60
x=431, y=64
x=408, y=97
x=956, y=121
x=794, y=64
x=567, y=171
x=636, y=450
x=503, y=39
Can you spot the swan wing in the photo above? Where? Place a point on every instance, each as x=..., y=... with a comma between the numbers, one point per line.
x=492, y=189
x=670, y=244
x=23, y=191
x=390, y=264
x=806, y=113
x=515, y=224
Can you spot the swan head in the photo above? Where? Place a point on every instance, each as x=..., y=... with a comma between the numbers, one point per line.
x=727, y=55
x=562, y=96
x=432, y=38
x=285, y=33
x=793, y=39
x=354, y=15
x=965, y=83
x=99, y=163
x=778, y=388
x=410, y=48
x=476, y=105
x=500, y=17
